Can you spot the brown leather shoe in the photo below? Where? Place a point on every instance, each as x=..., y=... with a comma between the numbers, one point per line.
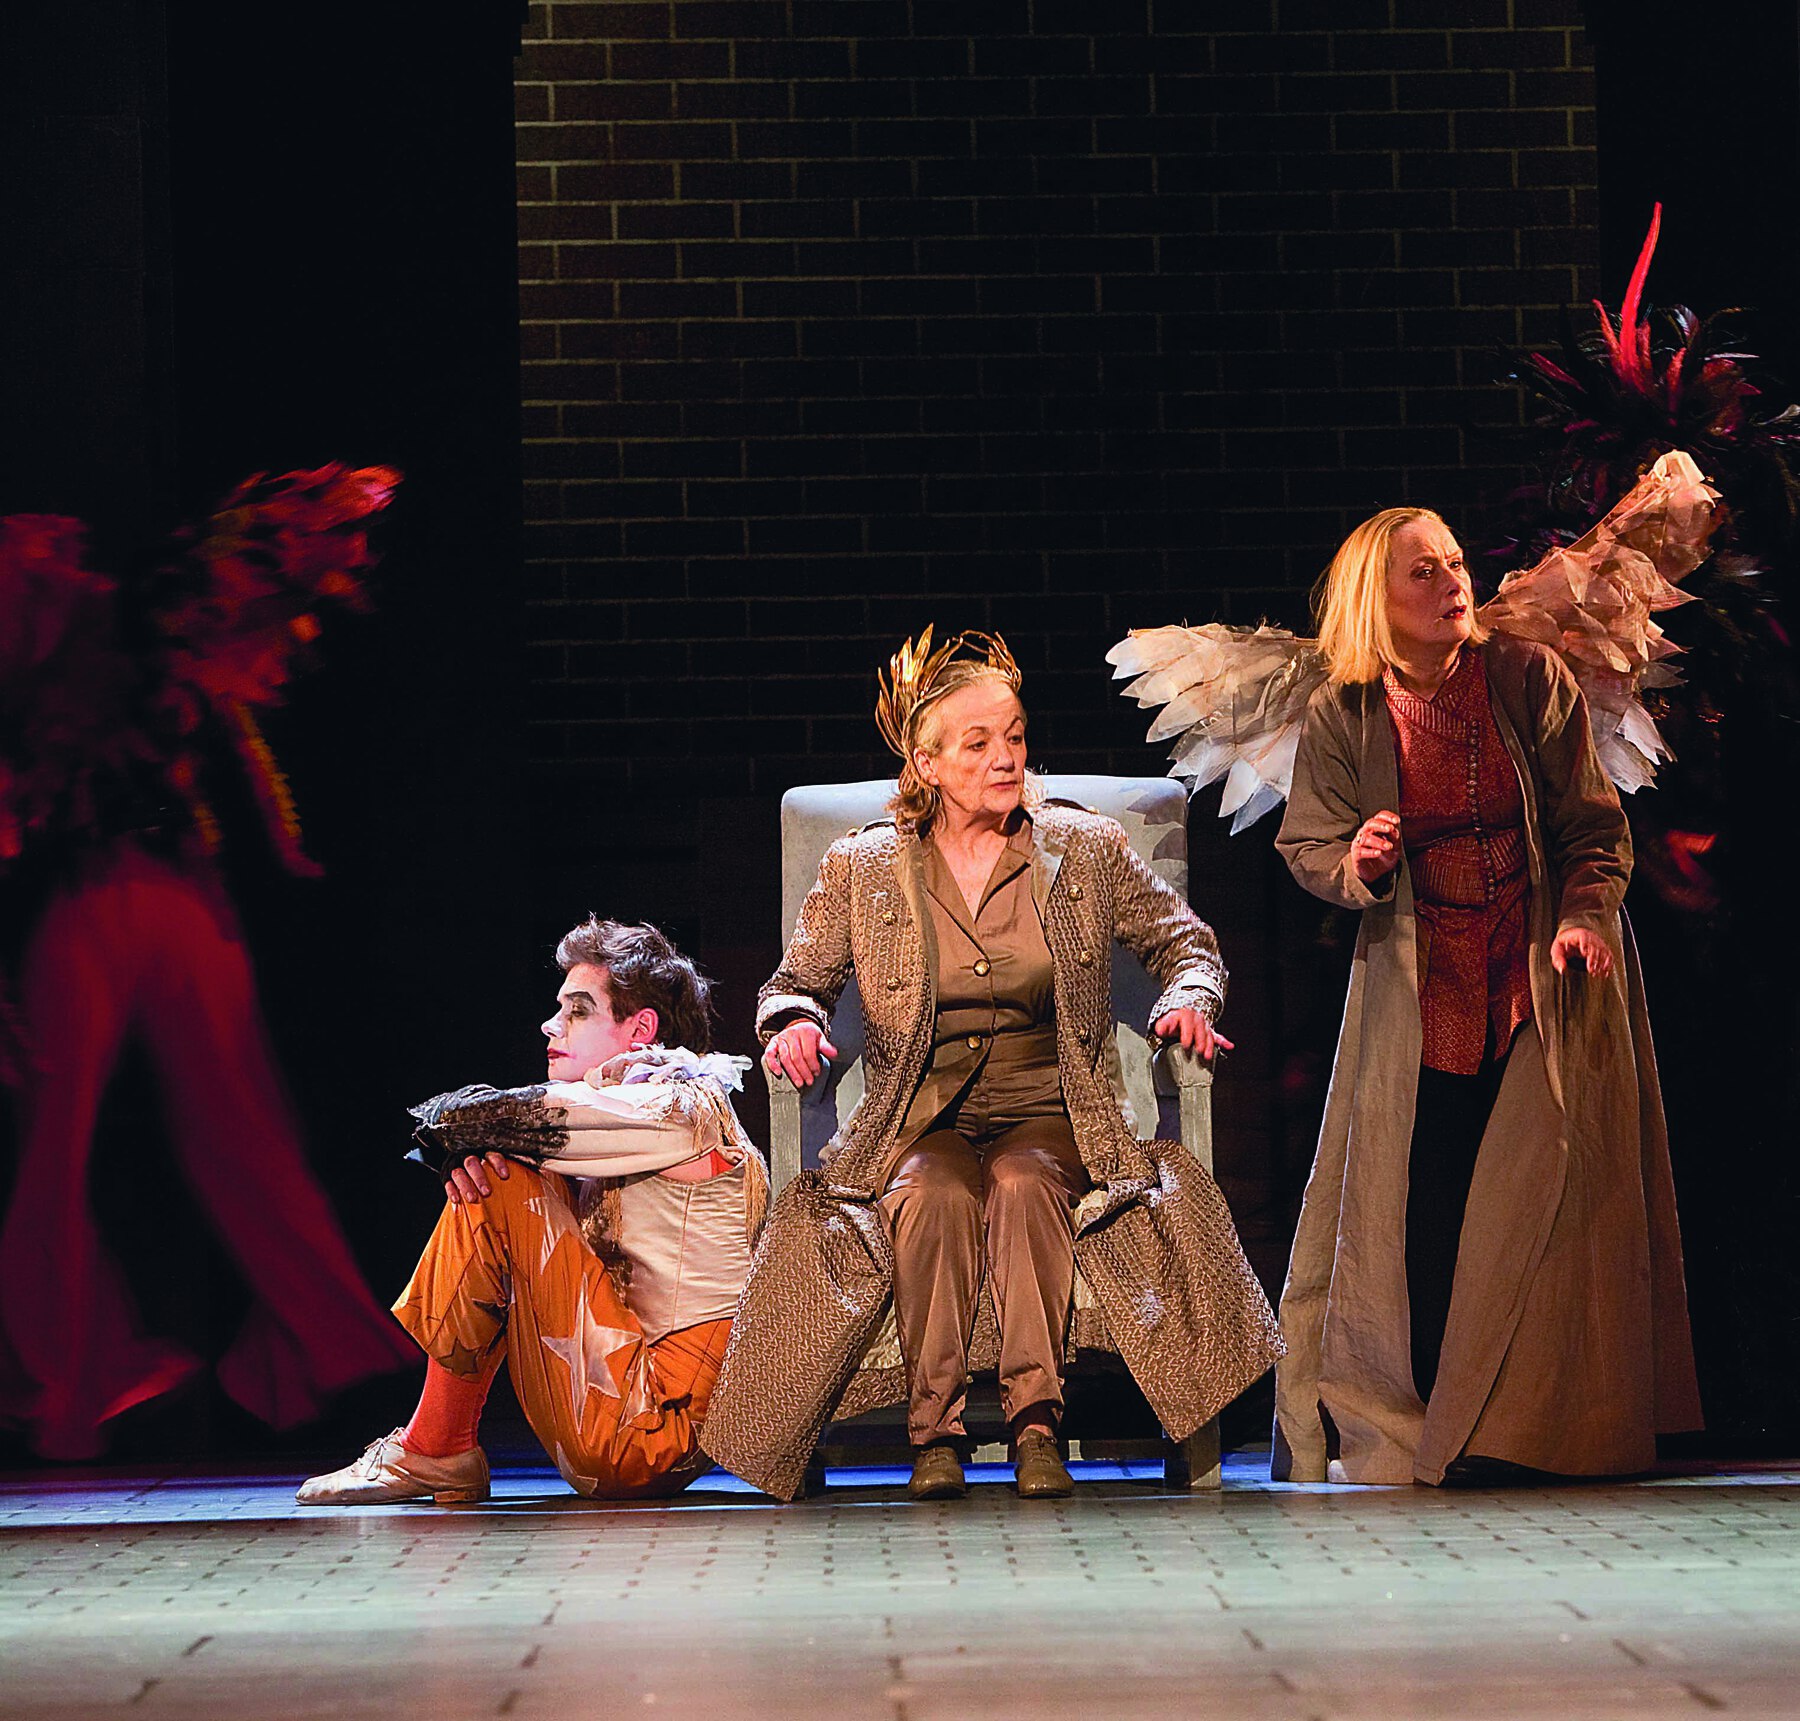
x=1038, y=1470
x=937, y=1474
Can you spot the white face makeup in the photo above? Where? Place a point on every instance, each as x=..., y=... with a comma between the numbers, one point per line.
x=979, y=767
x=584, y=1034
x=1430, y=600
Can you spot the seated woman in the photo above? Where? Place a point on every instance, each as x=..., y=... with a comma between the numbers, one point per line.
x=979, y=922
x=1488, y=1265
x=608, y=1290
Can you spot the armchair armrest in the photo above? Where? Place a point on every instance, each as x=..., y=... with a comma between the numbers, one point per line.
x=1193, y=1079
x=784, y=1130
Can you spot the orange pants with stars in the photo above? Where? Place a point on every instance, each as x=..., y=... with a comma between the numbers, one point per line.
x=513, y=1275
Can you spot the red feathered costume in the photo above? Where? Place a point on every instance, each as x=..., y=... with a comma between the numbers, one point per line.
x=138, y=942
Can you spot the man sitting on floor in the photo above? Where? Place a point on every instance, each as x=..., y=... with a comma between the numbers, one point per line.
x=609, y=1289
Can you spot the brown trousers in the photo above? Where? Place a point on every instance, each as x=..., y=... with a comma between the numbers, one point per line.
x=620, y=1416
x=1006, y=1198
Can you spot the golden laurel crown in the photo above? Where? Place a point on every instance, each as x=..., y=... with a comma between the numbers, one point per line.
x=915, y=677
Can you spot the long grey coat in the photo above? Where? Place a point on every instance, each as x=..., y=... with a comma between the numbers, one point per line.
x=1157, y=1256
x=1567, y=1347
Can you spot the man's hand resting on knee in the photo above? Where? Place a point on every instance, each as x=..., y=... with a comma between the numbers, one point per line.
x=468, y=1182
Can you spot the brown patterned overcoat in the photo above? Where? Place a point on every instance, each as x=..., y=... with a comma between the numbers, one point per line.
x=1160, y=1277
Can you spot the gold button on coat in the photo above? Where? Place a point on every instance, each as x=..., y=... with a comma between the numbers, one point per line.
x=1074, y=893
x=974, y=1042
x=887, y=917
x=983, y=966
x=1085, y=958
x=894, y=984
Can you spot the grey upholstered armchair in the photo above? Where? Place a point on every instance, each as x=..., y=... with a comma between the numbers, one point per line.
x=1166, y=1096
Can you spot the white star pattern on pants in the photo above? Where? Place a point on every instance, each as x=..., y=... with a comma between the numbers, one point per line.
x=585, y=1351
x=558, y=1224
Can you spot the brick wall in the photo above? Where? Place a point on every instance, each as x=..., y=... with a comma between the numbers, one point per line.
x=839, y=318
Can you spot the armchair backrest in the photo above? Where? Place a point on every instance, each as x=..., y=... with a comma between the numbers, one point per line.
x=1153, y=811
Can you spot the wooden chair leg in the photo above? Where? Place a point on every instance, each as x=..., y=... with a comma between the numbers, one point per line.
x=1193, y=1464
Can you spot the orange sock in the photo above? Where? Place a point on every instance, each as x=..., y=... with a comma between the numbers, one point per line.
x=448, y=1418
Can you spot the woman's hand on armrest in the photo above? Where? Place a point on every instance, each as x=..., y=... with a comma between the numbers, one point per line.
x=1195, y=1033
x=799, y=1051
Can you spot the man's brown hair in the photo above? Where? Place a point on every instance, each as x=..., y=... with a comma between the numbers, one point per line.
x=644, y=971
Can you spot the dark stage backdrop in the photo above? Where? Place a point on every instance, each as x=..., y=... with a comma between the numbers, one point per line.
x=342, y=232
x=242, y=239
x=837, y=317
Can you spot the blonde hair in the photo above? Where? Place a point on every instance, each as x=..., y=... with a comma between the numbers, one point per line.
x=1350, y=600
x=916, y=802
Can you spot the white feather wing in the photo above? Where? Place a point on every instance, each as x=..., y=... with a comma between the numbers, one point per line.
x=1231, y=698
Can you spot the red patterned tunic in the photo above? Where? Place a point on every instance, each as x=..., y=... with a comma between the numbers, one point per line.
x=1462, y=821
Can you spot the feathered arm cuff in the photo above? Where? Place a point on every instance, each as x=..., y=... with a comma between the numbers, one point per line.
x=614, y=1131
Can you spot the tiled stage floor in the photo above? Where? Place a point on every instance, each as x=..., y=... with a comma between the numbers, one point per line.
x=216, y=1596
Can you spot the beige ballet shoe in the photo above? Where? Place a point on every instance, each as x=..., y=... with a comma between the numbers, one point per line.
x=387, y=1471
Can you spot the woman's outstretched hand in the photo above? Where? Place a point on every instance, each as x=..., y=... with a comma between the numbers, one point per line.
x=1375, y=849
x=1195, y=1033
x=1579, y=944
x=798, y=1052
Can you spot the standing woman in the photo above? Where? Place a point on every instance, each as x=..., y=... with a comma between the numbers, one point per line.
x=988, y=1144
x=1487, y=1270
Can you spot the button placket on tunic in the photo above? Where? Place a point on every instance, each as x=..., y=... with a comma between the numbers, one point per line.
x=986, y=1154
x=1462, y=815
x=994, y=1052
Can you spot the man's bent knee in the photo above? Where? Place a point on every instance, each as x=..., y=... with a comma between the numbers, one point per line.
x=511, y=1197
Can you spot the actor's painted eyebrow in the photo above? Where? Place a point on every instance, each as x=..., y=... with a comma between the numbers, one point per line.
x=586, y=998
